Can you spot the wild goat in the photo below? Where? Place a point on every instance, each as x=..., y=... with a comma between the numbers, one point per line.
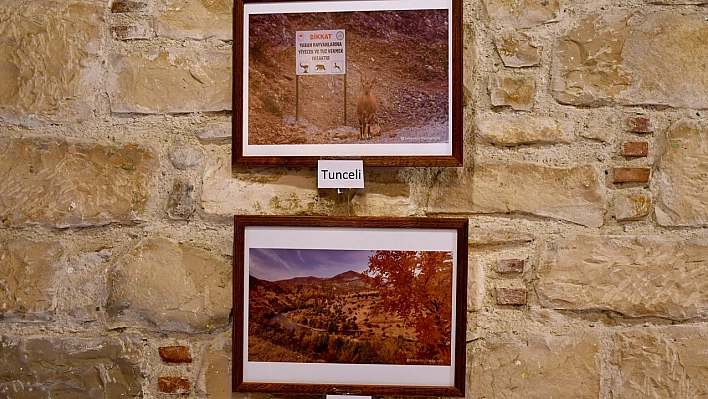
x=365, y=108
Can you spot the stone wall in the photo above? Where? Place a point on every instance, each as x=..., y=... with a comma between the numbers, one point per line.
x=586, y=164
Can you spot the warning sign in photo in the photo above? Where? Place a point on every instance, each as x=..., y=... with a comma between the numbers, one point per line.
x=320, y=52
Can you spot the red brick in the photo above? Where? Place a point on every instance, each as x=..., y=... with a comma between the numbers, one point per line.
x=510, y=265
x=511, y=296
x=122, y=6
x=175, y=354
x=632, y=175
x=640, y=124
x=174, y=385
x=636, y=149
x=121, y=32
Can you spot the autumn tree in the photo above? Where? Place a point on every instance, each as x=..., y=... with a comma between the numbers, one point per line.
x=417, y=286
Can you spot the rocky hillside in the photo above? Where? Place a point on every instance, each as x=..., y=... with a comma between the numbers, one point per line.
x=405, y=51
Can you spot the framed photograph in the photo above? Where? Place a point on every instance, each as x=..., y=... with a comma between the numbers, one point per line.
x=343, y=305
x=378, y=80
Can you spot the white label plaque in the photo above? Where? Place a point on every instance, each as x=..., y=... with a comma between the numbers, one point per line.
x=320, y=52
x=340, y=173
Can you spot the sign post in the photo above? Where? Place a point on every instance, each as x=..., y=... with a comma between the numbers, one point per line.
x=320, y=52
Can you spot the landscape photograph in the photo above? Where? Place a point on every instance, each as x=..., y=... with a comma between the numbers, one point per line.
x=350, y=306
x=396, y=84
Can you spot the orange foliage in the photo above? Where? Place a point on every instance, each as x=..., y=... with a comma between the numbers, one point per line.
x=417, y=286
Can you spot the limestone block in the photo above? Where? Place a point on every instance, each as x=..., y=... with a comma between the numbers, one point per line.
x=653, y=58
x=215, y=373
x=495, y=235
x=633, y=205
x=633, y=275
x=80, y=286
x=27, y=271
x=516, y=50
x=126, y=6
x=131, y=32
x=49, y=59
x=180, y=203
x=575, y=194
x=169, y=286
x=535, y=366
x=71, y=184
x=171, y=81
x=682, y=176
x=639, y=149
x=43, y=367
x=215, y=132
x=271, y=191
x=185, y=157
x=661, y=362
x=522, y=13
x=515, y=129
x=475, y=283
x=384, y=193
x=588, y=68
x=196, y=19
x=677, y=2
x=512, y=91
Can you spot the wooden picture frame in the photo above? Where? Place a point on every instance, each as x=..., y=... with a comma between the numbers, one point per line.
x=300, y=68
x=344, y=305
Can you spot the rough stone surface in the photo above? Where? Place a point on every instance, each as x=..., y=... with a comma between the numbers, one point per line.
x=171, y=286
x=175, y=354
x=180, y=204
x=535, y=366
x=511, y=296
x=277, y=192
x=196, y=19
x=522, y=13
x=516, y=50
x=631, y=175
x=515, y=92
x=215, y=372
x=640, y=124
x=131, y=32
x=215, y=132
x=677, y=2
x=69, y=368
x=383, y=193
x=171, y=81
x=632, y=206
x=632, y=275
x=48, y=54
x=66, y=184
x=588, y=68
x=515, y=130
x=661, y=363
x=574, y=194
x=475, y=283
x=185, y=157
x=506, y=266
x=174, y=385
x=635, y=149
x=26, y=274
x=653, y=58
x=80, y=286
x=682, y=176
x=123, y=6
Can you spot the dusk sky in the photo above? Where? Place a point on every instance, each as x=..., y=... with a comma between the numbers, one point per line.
x=275, y=264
